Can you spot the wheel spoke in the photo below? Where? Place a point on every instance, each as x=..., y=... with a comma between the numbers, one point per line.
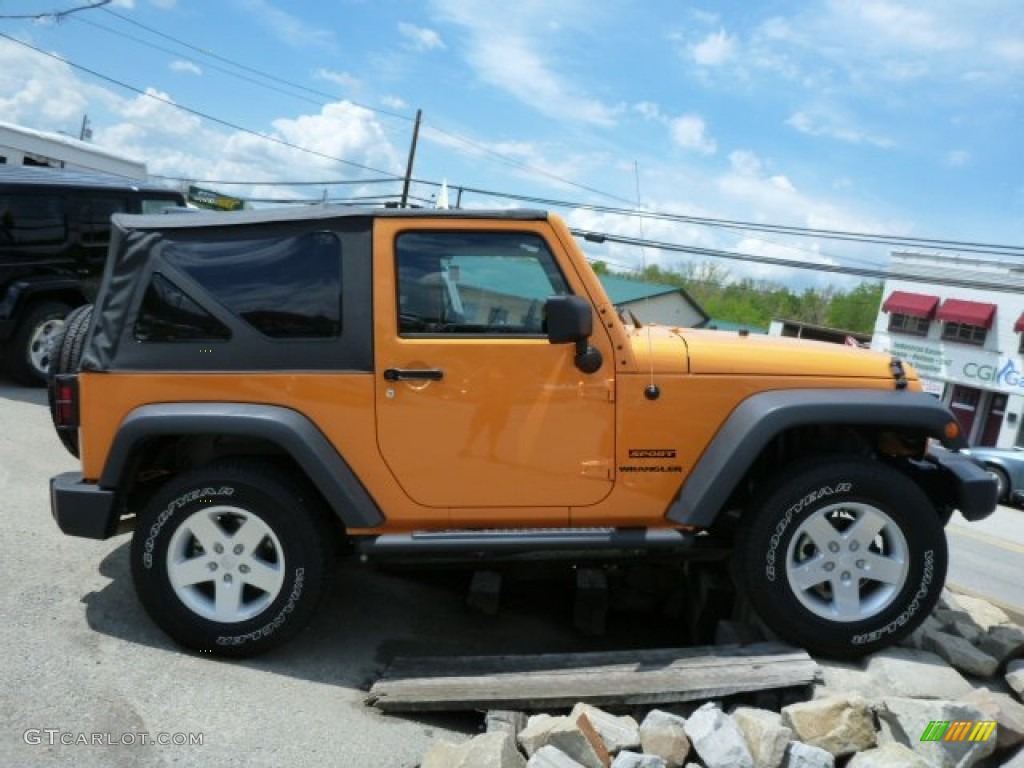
x=820, y=531
x=883, y=569
x=186, y=573
x=264, y=576
x=846, y=598
x=206, y=530
x=252, y=532
x=228, y=600
x=866, y=528
x=809, y=574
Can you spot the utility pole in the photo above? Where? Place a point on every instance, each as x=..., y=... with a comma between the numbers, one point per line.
x=85, y=134
x=412, y=157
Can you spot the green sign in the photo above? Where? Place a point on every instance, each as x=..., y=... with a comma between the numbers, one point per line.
x=205, y=198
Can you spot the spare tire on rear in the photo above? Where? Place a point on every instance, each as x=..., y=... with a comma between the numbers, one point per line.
x=65, y=357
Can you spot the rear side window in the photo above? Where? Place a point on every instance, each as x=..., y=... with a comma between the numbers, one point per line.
x=32, y=219
x=167, y=314
x=284, y=287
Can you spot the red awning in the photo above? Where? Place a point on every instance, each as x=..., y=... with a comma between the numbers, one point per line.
x=913, y=304
x=967, y=312
x=1019, y=325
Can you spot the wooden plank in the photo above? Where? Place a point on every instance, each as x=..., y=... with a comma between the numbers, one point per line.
x=624, y=678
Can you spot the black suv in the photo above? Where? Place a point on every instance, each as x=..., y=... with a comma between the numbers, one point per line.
x=54, y=231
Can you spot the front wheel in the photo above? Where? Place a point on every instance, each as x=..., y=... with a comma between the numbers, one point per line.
x=844, y=557
x=231, y=559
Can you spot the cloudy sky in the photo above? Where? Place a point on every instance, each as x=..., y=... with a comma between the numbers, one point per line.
x=874, y=116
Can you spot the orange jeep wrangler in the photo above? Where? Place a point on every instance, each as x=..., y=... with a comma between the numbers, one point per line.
x=253, y=389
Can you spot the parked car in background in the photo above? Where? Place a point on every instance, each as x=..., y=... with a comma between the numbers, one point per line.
x=54, y=232
x=1006, y=465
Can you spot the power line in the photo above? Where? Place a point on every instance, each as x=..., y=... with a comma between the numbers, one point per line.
x=878, y=274
x=247, y=68
x=454, y=136
x=56, y=15
x=827, y=234
x=197, y=113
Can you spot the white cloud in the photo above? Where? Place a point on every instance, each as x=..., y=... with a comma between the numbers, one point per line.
x=344, y=79
x=715, y=49
x=830, y=123
x=690, y=132
x=745, y=162
x=175, y=143
x=420, y=38
x=1010, y=49
x=648, y=110
x=394, y=102
x=506, y=47
x=182, y=65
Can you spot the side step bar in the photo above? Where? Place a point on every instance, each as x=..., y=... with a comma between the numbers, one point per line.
x=539, y=542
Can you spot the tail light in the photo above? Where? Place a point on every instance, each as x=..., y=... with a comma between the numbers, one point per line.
x=65, y=401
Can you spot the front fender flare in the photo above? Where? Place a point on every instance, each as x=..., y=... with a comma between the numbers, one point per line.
x=289, y=429
x=759, y=418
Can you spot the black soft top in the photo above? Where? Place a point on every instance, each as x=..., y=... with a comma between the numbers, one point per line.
x=139, y=247
x=309, y=213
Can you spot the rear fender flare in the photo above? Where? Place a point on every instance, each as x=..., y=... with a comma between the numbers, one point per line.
x=293, y=432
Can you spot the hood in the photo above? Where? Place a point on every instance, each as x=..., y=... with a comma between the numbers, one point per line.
x=658, y=348
x=672, y=350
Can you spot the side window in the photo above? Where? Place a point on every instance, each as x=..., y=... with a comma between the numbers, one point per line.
x=95, y=219
x=156, y=205
x=286, y=287
x=475, y=283
x=167, y=314
x=32, y=220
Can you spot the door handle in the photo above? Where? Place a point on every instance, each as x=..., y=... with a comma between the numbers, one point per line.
x=413, y=374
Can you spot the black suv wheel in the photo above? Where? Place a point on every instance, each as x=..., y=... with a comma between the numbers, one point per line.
x=29, y=349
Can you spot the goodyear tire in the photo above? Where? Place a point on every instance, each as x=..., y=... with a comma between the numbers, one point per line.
x=28, y=351
x=65, y=356
x=843, y=557
x=231, y=559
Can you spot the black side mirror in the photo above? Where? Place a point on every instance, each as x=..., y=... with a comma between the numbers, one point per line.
x=568, y=320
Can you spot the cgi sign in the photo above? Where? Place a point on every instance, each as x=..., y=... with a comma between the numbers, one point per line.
x=1006, y=375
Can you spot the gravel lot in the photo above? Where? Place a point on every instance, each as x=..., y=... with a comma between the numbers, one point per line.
x=81, y=658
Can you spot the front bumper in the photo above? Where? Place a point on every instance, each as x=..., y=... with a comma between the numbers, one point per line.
x=81, y=508
x=974, y=490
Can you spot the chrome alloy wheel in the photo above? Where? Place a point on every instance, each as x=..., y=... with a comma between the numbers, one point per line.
x=225, y=564
x=847, y=562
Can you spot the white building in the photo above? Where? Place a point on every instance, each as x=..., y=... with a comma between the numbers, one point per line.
x=967, y=343
x=25, y=146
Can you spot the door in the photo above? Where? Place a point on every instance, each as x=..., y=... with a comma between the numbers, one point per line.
x=993, y=419
x=964, y=404
x=475, y=408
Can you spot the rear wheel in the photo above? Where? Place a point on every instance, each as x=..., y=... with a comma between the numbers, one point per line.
x=28, y=351
x=844, y=557
x=231, y=559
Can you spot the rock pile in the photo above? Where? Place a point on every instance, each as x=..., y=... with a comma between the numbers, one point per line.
x=931, y=702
